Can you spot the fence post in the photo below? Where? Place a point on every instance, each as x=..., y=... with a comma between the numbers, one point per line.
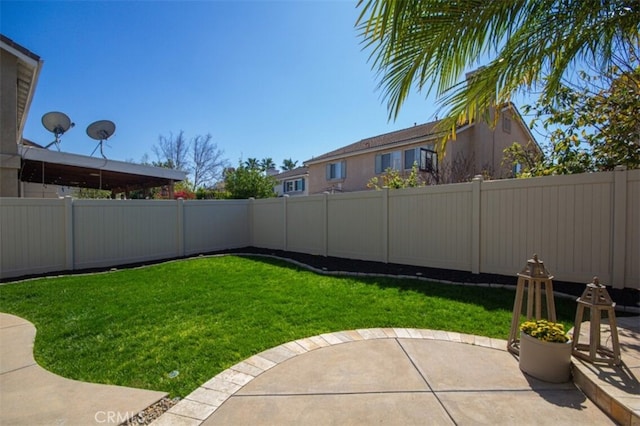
x=250, y=214
x=619, y=244
x=475, y=223
x=180, y=236
x=285, y=207
x=325, y=224
x=385, y=225
x=68, y=233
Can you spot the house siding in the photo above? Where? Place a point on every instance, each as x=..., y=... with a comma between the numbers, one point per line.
x=479, y=148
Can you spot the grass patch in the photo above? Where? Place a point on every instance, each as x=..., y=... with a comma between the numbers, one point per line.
x=201, y=316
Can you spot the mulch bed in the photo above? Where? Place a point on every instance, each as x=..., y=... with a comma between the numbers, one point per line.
x=623, y=297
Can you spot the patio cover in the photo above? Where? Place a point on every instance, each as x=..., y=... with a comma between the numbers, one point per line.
x=41, y=165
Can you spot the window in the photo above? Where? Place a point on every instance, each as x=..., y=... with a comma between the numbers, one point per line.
x=337, y=170
x=409, y=158
x=425, y=157
x=506, y=124
x=517, y=169
x=390, y=160
x=296, y=185
x=428, y=160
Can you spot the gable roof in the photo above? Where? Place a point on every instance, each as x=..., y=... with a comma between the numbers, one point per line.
x=417, y=133
x=28, y=70
x=297, y=172
x=413, y=134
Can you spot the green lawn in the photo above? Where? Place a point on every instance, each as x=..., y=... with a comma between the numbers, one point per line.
x=198, y=317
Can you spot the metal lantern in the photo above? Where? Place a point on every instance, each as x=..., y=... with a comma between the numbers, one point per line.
x=597, y=300
x=534, y=278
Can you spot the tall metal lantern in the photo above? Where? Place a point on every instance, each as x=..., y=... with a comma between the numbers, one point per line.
x=533, y=279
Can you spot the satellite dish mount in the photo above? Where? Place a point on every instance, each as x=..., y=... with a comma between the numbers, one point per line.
x=101, y=131
x=57, y=123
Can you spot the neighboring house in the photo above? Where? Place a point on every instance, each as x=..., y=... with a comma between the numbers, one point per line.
x=477, y=149
x=292, y=182
x=19, y=71
x=29, y=170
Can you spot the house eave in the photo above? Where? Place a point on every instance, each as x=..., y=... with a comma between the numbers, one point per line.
x=61, y=168
x=29, y=66
x=380, y=148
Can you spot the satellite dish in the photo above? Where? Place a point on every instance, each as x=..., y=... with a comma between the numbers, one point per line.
x=57, y=123
x=101, y=130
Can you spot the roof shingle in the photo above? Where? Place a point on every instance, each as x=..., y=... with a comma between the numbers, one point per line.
x=417, y=132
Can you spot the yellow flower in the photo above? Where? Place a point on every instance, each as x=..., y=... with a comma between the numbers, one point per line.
x=544, y=330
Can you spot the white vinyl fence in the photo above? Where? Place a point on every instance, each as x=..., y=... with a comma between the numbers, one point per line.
x=580, y=225
x=38, y=236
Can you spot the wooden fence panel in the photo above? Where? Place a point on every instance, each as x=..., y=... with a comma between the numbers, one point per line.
x=32, y=236
x=268, y=223
x=580, y=225
x=306, y=224
x=215, y=225
x=431, y=226
x=632, y=248
x=117, y=232
x=564, y=219
x=356, y=226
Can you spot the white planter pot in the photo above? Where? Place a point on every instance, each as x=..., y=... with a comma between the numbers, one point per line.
x=548, y=361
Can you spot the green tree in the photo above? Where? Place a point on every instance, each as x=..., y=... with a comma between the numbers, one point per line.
x=267, y=164
x=429, y=44
x=252, y=163
x=246, y=182
x=90, y=193
x=593, y=124
x=288, y=164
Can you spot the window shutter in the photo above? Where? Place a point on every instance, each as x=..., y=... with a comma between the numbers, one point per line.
x=343, y=169
x=378, y=164
x=303, y=179
x=328, y=171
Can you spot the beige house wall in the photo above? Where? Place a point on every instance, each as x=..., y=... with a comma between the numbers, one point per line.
x=479, y=147
x=9, y=158
x=484, y=144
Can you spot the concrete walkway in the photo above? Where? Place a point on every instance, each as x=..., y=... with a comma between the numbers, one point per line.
x=384, y=376
x=30, y=395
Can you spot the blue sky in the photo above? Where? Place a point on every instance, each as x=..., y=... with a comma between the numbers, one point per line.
x=279, y=79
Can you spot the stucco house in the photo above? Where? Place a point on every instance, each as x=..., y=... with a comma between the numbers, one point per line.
x=477, y=149
x=292, y=182
x=28, y=169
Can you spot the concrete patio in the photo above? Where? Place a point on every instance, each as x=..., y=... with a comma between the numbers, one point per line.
x=408, y=377
x=357, y=377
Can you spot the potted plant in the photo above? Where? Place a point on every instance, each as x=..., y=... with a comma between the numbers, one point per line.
x=545, y=351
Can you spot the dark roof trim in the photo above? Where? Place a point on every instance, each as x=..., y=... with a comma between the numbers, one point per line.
x=297, y=172
x=23, y=50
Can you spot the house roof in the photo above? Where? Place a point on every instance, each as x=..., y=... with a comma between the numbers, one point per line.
x=404, y=136
x=407, y=136
x=297, y=172
x=61, y=168
x=29, y=65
